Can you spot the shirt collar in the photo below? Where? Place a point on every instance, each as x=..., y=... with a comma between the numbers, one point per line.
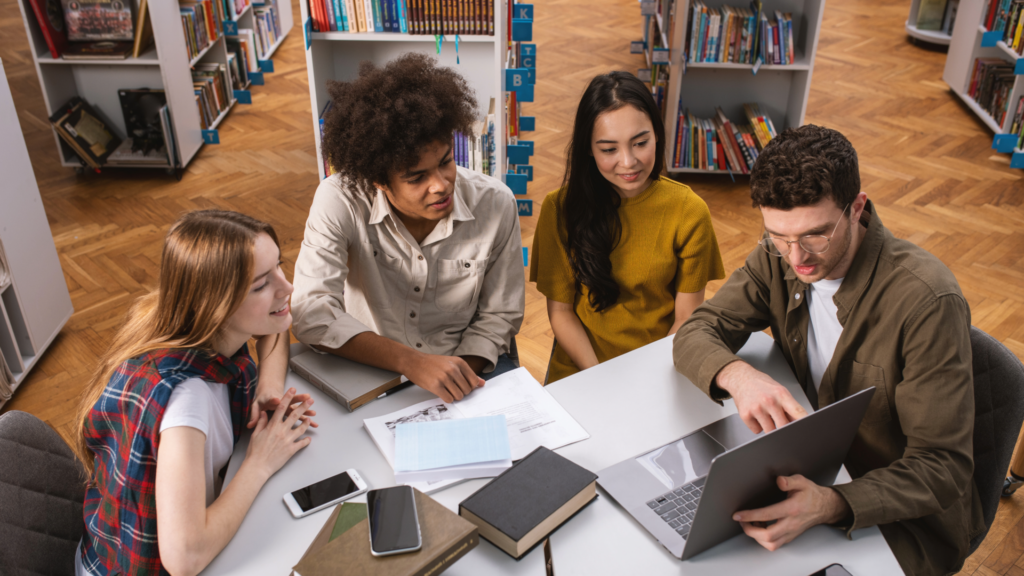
x=460, y=213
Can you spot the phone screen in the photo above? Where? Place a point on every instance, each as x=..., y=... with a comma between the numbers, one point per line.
x=393, y=522
x=324, y=491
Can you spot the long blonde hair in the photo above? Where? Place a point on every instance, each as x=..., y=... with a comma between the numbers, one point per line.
x=206, y=271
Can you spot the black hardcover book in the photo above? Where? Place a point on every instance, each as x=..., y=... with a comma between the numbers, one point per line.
x=522, y=506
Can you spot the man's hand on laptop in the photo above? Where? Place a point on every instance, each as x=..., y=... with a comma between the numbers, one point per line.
x=806, y=505
x=763, y=403
x=447, y=377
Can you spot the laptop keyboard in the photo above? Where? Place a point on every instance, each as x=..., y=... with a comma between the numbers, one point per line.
x=677, y=507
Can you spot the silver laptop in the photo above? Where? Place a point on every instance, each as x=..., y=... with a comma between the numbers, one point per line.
x=685, y=492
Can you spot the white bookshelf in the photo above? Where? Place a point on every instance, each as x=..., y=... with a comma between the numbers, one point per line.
x=970, y=41
x=930, y=36
x=336, y=56
x=165, y=65
x=34, y=299
x=781, y=90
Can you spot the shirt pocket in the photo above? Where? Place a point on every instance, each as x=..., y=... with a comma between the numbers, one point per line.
x=862, y=377
x=458, y=284
x=382, y=277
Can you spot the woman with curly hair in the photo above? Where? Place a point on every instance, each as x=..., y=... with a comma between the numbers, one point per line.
x=409, y=263
x=622, y=254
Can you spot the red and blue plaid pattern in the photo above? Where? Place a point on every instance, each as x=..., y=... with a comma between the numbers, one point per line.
x=123, y=433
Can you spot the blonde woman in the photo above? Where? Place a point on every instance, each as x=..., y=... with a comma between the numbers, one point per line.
x=170, y=398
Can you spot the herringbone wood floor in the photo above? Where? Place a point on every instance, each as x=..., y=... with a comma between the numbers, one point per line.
x=925, y=161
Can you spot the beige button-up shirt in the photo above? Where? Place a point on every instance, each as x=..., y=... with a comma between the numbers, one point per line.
x=461, y=292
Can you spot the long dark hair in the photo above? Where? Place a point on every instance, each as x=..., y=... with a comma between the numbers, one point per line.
x=589, y=210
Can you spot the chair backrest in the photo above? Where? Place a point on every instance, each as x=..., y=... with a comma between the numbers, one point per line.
x=41, y=493
x=998, y=413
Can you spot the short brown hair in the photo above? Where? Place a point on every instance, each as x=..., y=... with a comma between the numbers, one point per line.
x=381, y=121
x=802, y=166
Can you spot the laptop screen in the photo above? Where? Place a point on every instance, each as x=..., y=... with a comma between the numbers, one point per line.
x=682, y=461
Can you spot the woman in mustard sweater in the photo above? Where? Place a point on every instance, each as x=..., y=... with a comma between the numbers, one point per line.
x=622, y=254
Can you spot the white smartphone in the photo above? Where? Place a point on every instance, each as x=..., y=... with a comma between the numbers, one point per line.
x=324, y=493
x=394, y=524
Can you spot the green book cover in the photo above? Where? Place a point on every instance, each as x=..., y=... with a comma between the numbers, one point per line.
x=351, y=513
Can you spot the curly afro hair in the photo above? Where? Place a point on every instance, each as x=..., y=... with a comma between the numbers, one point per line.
x=380, y=122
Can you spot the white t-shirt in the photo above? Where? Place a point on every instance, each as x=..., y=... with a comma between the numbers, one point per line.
x=206, y=407
x=823, y=329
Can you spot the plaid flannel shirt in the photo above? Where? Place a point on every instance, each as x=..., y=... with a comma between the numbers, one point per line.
x=123, y=432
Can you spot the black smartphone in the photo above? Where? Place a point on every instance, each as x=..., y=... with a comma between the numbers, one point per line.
x=832, y=570
x=394, y=524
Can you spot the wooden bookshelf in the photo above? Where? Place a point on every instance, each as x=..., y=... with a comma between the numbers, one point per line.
x=164, y=65
x=780, y=90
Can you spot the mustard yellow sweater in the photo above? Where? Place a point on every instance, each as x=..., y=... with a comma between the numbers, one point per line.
x=667, y=246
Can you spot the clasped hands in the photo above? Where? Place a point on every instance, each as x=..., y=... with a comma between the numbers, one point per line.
x=765, y=405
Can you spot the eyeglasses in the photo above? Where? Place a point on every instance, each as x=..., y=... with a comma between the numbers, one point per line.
x=812, y=244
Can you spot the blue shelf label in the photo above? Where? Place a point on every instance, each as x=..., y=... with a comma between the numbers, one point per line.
x=525, y=169
x=518, y=154
x=1017, y=160
x=637, y=47
x=525, y=93
x=525, y=207
x=528, y=61
x=522, y=30
x=527, y=49
x=243, y=96
x=516, y=182
x=230, y=28
x=531, y=75
x=1004, y=143
x=528, y=144
x=1018, y=67
x=515, y=79
x=526, y=256
x=523, y=11
x=256, y=78
x=644, y=74
x=266, y=65
x=990, y=39
x=659, y=56
x=211, y=137
x=527, y=123
x=307, y=32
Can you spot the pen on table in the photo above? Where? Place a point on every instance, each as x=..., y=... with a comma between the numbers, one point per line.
x=400, y=387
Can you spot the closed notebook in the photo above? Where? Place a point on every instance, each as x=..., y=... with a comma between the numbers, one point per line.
x=526, y=503
x=446, y=538
x=452, y=449
x=344, y=516
x=349, y=383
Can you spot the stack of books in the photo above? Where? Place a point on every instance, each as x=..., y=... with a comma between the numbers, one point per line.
x=268, y=28
x=464, y=17
x=213, y=89
x=202, y=21
x=85, y=132
x=990, y=86
x=718, y=144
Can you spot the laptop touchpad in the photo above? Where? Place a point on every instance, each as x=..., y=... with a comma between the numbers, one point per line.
x=682, y=461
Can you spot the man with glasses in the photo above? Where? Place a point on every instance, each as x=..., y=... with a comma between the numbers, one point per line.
x=850, y=306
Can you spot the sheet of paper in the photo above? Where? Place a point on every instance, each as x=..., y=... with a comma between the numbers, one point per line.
x=532, y=416
x=445, y=443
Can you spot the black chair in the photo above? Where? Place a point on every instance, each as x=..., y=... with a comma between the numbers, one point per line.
x=42, y=486
x=998, y=413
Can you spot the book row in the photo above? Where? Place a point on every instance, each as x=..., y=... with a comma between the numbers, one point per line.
x=467, y=17
x=990, y=86
x=91, y=30
x=739, y=35
x=213, y=87
x=268, y=28
x=1017, y=126
x=202, y=22
x=1006, y=16
x=716, y=143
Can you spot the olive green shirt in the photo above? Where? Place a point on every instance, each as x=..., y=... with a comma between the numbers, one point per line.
x=905, y=331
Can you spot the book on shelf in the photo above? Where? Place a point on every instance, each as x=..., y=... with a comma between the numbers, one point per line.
x=143, y=30
x=234, y=8
x=739, y=35
x=100, y=50
x=202, y=21
x=243, y=46
x=1007, y=17
x=717, y=143
x=146, y=141
x=446, y=537
x=90, y=20
x=470, y=150
x=268, y=29
x=85, y=132
x=930, y=14
x=463, y=17
x=50, y=16
x=526, y=503
x=990, y=86
x=212, y=85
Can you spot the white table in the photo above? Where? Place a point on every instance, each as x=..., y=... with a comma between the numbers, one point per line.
x=629, y=405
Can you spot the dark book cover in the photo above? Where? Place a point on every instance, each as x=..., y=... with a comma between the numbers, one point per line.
x=99, y=20
x=528, y=493
x=50, y=16
x=80, y=126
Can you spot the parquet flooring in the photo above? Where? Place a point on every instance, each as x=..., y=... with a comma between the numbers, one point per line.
x=925, y=161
